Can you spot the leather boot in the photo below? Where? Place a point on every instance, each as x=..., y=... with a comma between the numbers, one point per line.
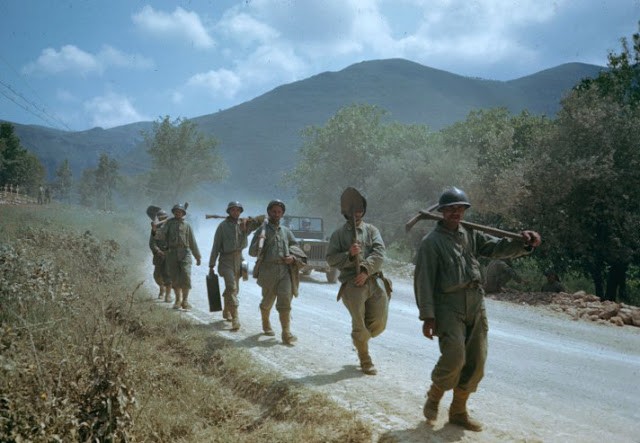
x=285, y=320
x=366, y=364
x=434, y=395
x=226, y=313
x=161, y=293
x=458, y=414
x=266, y=324
x=235, y=321
x=178, y=303
x=185, y=295
x=167, y=294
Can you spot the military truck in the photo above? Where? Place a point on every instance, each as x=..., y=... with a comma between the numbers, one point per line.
x=309, y=231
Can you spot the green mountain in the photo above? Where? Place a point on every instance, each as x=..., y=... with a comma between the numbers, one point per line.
x=259, y=139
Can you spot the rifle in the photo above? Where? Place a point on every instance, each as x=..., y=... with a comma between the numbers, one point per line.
x=426, y=214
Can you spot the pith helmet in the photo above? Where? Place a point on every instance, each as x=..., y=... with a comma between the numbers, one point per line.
x=276, y=202
x=453, y=196
x=179, y=207
x=234, y=204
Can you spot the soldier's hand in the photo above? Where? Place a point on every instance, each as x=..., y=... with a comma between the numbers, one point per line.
x=211, y=268
x=531, y=238
x=160, y=252
x=429, y=328
x=288, y=259
x=354, y=249
x=361, y=279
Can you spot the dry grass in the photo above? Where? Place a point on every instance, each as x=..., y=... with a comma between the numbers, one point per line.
x=85, y=355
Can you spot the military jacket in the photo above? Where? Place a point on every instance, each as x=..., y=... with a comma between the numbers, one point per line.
x=178, y=234
x=229, y=237
x=155, y=243
x=447, y=263
x=372, y=251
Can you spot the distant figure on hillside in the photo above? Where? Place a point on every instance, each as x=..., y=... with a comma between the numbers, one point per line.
x=498, y=274
x=47, y=194
x=41, y=195
x=553, y=283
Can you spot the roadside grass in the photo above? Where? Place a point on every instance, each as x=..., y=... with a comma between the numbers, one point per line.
x=87, y=355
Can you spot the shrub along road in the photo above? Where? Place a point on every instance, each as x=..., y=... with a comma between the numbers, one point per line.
x=548, y=377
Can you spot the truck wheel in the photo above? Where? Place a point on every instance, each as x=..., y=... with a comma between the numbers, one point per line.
x=332, y=275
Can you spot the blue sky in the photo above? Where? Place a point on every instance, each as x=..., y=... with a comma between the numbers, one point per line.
x=78, y=64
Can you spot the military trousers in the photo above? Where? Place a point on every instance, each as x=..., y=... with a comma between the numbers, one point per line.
x=160, y=273
x=229, y=268
x=179, y=267
x=275, y=280
x=369, y=308
x=462, y=328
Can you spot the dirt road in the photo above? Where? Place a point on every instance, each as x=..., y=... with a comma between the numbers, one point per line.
x=548, y=378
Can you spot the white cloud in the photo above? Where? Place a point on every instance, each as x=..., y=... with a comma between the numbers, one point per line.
x=68, y=59
x=111, y=110
x=246, y=29
x=179, y=23
x=71, y=59
x=221, y=82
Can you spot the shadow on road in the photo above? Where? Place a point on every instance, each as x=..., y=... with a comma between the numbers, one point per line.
x=258, y=340
x=347, y=371
x=424, y=432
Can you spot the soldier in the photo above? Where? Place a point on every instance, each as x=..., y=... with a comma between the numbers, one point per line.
x=41, y=195
x=273, y=269
x=498, y=274
x=159, y=249
x=229, y=241
x=181, y=245
x=450, y=299
x=363, y=290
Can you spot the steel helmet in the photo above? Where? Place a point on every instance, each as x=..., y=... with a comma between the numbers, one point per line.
x=162, y=214
x=276, y=202
x=453, y=196
x=179, y=207
x=234, y=204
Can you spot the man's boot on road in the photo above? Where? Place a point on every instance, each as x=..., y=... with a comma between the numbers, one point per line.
x=167, y=294
x=458, y=414
x=226, y=312
x=178, y=302
x=161, y=293
x=285, y=320
x=235, y=321
x=434, y=395
x=366, y=364
x=266, y=324
x=185, y=304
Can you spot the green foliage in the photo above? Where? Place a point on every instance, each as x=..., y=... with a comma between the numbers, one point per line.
x=64, y=180
x=17, y=165
x=182, y=158
x=97, y=186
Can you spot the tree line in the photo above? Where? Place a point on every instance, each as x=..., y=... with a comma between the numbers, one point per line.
x=574, y=178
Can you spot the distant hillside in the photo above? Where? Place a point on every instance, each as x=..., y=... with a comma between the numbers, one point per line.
x=259, y=139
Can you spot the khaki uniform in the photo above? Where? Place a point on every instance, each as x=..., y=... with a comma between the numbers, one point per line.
x=447, y=284
x=274, y=276
x=181, y=243
x=228, y=242
x=498, y=274
x=160, y=273
x=368, y=305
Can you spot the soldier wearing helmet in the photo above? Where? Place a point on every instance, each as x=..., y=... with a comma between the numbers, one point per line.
x=159, y=249
x=450, y=299
x=228, y=242
x=181, y=244
x=364, y=290
x=274, y=276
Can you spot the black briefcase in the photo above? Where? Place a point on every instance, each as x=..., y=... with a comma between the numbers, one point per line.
x=213, y=292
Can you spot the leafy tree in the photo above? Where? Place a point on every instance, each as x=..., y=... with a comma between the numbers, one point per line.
x=344, y=152
x=17, y=165
x=585, y=186
x=64, y=180
x=182, y=158
x=106, y=176
x=86, y=187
